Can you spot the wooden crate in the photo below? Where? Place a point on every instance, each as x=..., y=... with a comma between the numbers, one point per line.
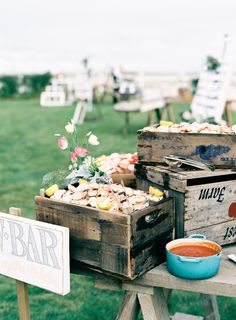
x=205, y=201
x=128, y=179
x=119, y=244
x=215, y=149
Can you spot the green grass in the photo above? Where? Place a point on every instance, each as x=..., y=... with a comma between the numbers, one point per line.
x=28, y=150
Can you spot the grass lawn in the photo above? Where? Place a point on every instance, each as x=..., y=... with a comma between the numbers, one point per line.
x=28, y=150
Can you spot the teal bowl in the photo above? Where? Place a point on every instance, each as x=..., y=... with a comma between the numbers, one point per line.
x=188, y=267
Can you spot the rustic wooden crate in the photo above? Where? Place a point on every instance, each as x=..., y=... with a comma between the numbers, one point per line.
x=120, y=244
x=215, y=149
x=128, y=179
x=205, y=201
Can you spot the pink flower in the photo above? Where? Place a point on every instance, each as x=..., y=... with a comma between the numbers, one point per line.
x=73, y=157
x=81, y=152
x=62, y=143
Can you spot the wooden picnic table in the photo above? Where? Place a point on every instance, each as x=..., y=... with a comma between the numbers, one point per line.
x=149, y=292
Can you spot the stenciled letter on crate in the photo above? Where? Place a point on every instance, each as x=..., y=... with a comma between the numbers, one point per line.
x=35, y=252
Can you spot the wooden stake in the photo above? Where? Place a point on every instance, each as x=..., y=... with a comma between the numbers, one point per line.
x=22, y=288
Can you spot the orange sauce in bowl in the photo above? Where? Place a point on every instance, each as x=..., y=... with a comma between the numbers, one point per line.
x=190, y=250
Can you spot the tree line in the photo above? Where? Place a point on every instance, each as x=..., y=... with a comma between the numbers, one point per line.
x=26, y=86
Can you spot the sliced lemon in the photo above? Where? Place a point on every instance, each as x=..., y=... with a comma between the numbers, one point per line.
x=83, y=181
x=166, y=123
x=51, y=190
x=104, y=203
x=155, y=192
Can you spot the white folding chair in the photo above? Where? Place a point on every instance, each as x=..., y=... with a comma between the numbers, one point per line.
x=80, y=112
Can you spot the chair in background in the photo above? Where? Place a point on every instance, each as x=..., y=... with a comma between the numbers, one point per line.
x=80, y=112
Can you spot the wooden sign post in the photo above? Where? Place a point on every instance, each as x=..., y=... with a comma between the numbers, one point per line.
x=21, y=287
x=33, y=252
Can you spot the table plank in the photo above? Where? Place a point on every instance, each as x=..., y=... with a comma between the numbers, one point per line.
x=223, y=284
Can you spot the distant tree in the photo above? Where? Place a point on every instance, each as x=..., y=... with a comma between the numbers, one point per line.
x=9, y=86
x=36, y=82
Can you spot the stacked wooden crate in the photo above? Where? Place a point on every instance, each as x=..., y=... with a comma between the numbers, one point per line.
x=205, y=201
x=124, y=245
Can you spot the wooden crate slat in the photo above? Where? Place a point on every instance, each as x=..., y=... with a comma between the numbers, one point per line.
x=115, y=259
x=114, y=233
x=217, y=149
x=78, y=209
x=153, y=254
x=211, y=202
x=87, y=251
x=223, y=233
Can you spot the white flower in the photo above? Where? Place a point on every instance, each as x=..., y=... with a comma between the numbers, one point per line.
x=70, y=128
x=93, y=140
x=89, y=133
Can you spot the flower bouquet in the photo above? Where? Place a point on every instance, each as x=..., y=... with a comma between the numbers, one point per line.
x=81, y=165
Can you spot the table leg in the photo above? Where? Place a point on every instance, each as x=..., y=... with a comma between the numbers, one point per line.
x=170, y=112
x=210, y=307
x=158, y=115
x=151, y=119
x=130, y=307
x=126, y=129
x=154, y=307
x=167, y=294
x=228, y=113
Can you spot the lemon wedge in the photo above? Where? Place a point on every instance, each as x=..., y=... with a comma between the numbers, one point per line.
x=51, y=190
x=104, y=203
x=166, y=123
x=155, y=192
x=83, y=181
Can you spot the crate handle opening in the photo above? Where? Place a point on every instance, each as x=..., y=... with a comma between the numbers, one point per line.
x=152, y=217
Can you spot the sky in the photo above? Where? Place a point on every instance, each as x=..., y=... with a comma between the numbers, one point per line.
x=140, y=35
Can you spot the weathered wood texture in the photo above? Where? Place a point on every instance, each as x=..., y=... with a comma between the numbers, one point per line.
x=130, y=307
x=222, y=284
x=205, y=201
x=210, y=307
x=127, y=179
x=23, y=300
x=184, y=316
x=216, y=149
x=154, y=307
x=120, y=244
x=21, y=287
